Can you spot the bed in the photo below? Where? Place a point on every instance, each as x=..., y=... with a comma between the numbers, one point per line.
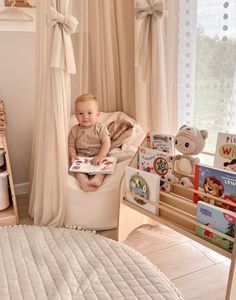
x=58, y=263
x=99, y=210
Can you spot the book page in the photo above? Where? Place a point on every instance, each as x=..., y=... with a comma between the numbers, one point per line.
x=84, y=165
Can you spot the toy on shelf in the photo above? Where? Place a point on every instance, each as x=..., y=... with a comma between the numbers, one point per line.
x=167, y=182
x=2, y=115
x=188, y=141
x=186, y=182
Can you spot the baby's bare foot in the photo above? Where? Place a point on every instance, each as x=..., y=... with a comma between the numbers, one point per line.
x=97, y=180
x=90, y=188
x=85, y=183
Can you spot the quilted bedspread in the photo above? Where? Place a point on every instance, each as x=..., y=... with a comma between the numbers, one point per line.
x=52, y=263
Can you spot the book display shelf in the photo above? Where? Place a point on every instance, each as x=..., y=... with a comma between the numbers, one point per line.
x=177, y=210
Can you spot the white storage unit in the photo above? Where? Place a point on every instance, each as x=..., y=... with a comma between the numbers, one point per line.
x=8, y=206
x=4, y=195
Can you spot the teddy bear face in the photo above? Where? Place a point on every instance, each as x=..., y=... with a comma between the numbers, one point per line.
x=190, y=140
x=184, y=144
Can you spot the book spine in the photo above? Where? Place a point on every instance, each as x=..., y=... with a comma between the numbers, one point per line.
x=196, y=182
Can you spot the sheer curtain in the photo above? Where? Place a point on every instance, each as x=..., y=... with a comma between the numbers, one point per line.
x=186, y=60
x=49, y=164
x=106, y=53
x=206, y=66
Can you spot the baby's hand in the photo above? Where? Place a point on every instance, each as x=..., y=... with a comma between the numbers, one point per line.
x=97, y=160
x=73, y=158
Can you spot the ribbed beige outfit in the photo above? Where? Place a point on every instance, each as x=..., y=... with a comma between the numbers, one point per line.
x=87, y=140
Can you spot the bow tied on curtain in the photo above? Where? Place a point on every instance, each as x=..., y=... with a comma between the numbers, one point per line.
x=149, y=7
x=151, y=62
x=68, y=22
x=149, y=11
x=62, y=55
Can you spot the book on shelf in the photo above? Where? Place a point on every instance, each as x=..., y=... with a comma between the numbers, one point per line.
x=225, y=153
x=215, y=182
x=217, y=218
x=162, y=142
x=154, y=161
x=140, y=183
x=160, y=163
x=84, y=165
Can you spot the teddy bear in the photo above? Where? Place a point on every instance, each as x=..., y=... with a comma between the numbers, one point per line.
x=188, y=141
x=166, y=185
x=186, y=182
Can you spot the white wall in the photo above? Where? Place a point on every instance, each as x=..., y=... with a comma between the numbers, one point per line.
x=17, y=89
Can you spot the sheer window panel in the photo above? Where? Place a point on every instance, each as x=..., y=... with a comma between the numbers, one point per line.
x=207, y=67
x=186, y=60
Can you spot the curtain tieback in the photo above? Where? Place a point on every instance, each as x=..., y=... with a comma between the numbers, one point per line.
x=62, y=55
x=149, y=11
x=149, y=7
x=68, y=22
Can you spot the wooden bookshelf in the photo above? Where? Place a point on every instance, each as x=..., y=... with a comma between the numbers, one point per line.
x=8, y=216
x=177, y=211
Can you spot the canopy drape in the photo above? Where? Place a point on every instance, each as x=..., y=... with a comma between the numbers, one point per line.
x=106, y=53
x=171, y=22
x=49, y=163
x=151, y=93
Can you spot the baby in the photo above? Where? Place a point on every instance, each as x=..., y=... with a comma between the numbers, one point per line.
x=88, y=138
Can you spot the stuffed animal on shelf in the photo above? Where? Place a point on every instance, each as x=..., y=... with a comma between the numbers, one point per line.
x=167, y=186
x=188, y=141
x=186, y=182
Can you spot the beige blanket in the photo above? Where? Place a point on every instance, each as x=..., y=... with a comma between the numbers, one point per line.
x=120, y=131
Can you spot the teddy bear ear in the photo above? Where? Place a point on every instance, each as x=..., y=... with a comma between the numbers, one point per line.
x=182, y=127
x=204, y=133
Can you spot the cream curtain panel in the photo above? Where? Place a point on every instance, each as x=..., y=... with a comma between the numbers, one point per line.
x=49, y=165
x=152, y=108
x=171, y=24
x=106, y=53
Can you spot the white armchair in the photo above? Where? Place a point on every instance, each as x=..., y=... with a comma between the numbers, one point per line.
x=99, y=210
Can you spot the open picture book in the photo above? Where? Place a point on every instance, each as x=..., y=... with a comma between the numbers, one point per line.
x=84, y=165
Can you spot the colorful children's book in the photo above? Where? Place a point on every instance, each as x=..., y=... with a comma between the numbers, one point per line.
x=225, y=154
x=219, y=219
x=154, y=161
x=215, y=182
x=161, y=163
x=162, y=142
x=84, y=165
x=146, y=185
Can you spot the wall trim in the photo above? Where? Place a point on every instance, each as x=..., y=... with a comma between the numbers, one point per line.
x=21, y=188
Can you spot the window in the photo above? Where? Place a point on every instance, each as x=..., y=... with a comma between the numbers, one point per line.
x=207, y=66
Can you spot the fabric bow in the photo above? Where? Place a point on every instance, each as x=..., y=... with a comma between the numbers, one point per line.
x=149, y=7
x=68, y=22
x=62, y=55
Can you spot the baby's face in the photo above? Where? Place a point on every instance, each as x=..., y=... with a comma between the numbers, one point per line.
x=87, y=113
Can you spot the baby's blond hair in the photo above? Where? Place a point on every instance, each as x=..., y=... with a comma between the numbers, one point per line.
x=86, y=98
